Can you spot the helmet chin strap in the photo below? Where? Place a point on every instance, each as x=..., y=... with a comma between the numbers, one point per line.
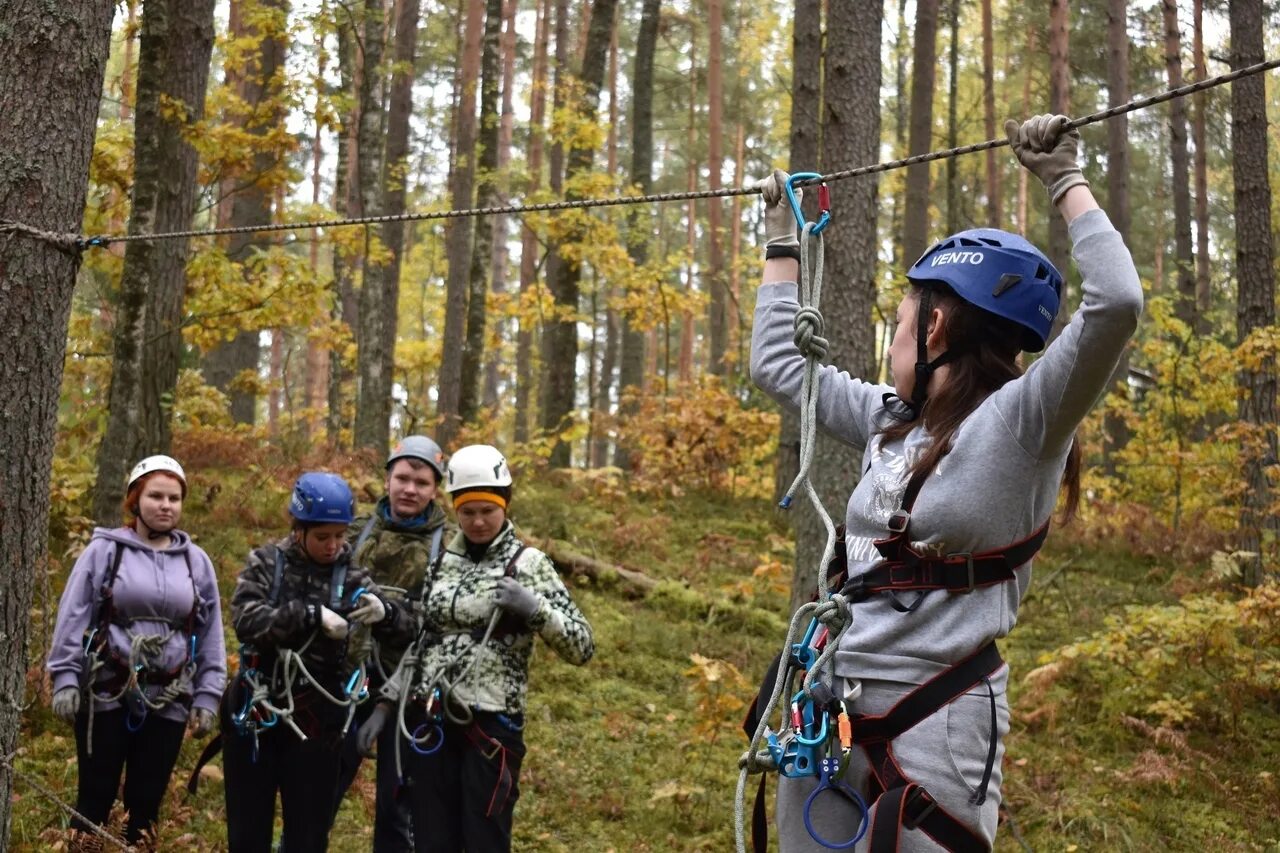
x=152, y=535
x=904, y=410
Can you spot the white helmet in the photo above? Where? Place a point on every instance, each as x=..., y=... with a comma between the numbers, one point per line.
x=158, y=463
x=477, y=466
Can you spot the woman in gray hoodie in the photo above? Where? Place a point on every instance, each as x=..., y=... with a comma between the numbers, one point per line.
x=137, y=653
x=964, y=456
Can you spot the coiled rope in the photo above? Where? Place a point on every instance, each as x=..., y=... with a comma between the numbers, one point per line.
x=827, y=608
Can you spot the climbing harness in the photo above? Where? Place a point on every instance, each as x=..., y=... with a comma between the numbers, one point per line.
x=814, y=739
x=131, y=679
x=430, y=696
x=259, y=701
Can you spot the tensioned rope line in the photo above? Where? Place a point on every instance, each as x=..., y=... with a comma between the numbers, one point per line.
x=77, y=242
x=5, y=761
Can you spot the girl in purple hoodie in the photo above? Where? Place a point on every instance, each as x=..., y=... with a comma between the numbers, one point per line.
x=137, y=653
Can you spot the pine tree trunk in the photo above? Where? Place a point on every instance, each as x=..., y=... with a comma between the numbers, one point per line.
x=1181, y=170
x=850, y=134
x=953, y=69
x=915, y=220
x=1115, y=429
x=804, y=156
x=345, y=203
x=373, y=360
x=496, y=360
x=174, y=50
x=687, y=330
x=555, y=179
x=995, y=215
x=1023, y=225
x=52, y=64
x=250, y=205
x=1198, y=133
x=559, y=375
x=458, y=232
x=486, y=196
x=602, y=395
x=639, y=220
x=718, y=304
x=1255, y=276
x=317, y=355
x=528, y=237
x=1060, y=103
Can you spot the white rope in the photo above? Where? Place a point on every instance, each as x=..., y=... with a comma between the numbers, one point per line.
x=830, y=610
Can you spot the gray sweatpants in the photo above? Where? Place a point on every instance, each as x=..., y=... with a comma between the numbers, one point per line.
x=946, y=753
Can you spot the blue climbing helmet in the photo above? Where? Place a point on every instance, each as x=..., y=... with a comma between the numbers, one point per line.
x=322, y=498
x=999, y=272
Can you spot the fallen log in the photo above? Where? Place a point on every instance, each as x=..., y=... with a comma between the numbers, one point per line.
x=570, y=560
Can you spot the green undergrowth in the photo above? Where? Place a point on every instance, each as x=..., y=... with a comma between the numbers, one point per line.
x=638, y=750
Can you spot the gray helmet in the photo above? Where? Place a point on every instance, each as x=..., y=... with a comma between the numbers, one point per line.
x=419, y=447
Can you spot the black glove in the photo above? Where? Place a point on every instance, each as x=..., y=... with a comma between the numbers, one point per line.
x=367, y=736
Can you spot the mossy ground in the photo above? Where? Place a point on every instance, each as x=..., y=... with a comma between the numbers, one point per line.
x=638, y=750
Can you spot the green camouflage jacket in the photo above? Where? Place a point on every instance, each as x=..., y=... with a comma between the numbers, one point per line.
x=458, y=608
x=294, y=620
x=398, y=558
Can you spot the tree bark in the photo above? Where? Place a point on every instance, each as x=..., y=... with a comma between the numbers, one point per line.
x=639, y=220
x=1060, y=102
x=1198, y=137
x=345, y=305
x=562, y=333
x=174, y=50
x=528, y=237
x=953, y=69
x=1181, y=170
x=850, y=134
x=53, y=60
x=1256, y=299
x=915, y=219
x=374, y=358
x=804, y=156
x=995, y=215
x=258, y=84
x=1115, y=428
x=496, y=360
x=459, y=232
x=716, y=280
x=486, y=196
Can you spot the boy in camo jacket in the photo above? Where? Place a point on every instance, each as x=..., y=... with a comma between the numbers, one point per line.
x=487, y=598
x=300, y=594
x=397, y=544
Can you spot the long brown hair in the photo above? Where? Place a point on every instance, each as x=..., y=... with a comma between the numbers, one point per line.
x=987, y=349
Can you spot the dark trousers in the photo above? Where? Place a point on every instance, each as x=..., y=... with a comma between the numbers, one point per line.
x=145, y=758
x=463, y=795
x=305, y=773
x=392, y=823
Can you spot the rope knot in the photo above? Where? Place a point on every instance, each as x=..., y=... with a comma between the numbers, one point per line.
x=808, y=336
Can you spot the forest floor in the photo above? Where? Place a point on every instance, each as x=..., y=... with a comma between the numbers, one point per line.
x=638, y=750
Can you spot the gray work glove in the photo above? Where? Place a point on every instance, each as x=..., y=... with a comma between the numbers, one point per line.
x=779, y=220
x=367, y=736
x=333, y=625
x=518, y=600
x=200, y=721
x=66, y=704
x=1048, y=149
x=370, y=611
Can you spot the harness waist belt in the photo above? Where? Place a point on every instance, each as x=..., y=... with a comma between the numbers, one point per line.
x=906, y=569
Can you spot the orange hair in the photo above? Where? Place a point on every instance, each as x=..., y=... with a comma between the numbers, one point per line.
x=131, y=497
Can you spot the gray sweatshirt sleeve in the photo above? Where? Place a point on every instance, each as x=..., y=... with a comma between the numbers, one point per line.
x=845, y=404
x=75, y=611
x=1043, y=409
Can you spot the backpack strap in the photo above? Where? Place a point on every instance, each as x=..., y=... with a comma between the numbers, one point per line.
x=365, y=533
x=337, y=582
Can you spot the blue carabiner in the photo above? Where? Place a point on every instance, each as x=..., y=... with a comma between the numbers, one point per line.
x=351, y=685
x=824, y=202
x=808, y=722
x=355, y=596
x=803, y=652
x=828, y=770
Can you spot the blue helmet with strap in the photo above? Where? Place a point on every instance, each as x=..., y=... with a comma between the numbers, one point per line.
x=999, y=272
x=322, y=498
